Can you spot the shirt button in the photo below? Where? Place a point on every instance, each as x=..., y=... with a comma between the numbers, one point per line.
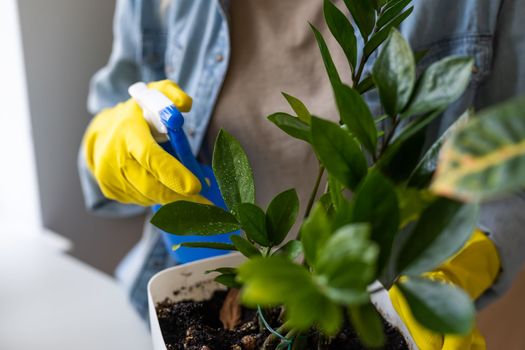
x=191, y=132
x=219, y=57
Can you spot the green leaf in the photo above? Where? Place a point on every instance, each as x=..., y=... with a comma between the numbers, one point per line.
x=292, y=249
x=364, y=15
x=343, y=215
x=299, y=108
x=338, y=152
x=412, y=202
x=440, y=85
x=244, y=246
x=333, y=75
x=326, y=202
x=188, y=218
x=353, y=110
x=439, y=307
x=291, y=125
x=393, y=9
x=229, y=280
x=342, y=31
x=378, y=38
x=443, y=228
x=208, y=245
x=224, y=270
x=401, y=158
x=346, y=264
x=368, y=325
x=281, y=215
x=365, y=85
x=356, y=115
x=315, y=232
x=485, y=159
x=233, y=172
x=335, y=189
x=419, y=55
x=376, y=203
x=274, y=281
x=394, y=73
x=424, y=171
x=253, y=222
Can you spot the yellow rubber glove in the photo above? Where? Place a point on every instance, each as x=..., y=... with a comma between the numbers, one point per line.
x=128, y=163
x=474, y=269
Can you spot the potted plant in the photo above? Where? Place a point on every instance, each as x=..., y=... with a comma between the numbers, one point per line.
x=408, y=211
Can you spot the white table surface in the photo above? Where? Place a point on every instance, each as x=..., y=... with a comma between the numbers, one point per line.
x=50, y=301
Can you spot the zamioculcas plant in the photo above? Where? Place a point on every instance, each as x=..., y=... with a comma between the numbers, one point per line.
x=403, y=218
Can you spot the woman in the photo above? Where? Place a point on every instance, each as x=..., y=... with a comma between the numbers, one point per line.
x=233, y=57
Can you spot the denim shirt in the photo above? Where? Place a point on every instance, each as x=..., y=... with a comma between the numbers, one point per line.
x=189, y=44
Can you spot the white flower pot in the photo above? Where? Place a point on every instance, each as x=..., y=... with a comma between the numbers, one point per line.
x=191, y=282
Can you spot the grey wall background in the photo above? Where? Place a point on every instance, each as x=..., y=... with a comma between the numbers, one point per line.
x=65, y=42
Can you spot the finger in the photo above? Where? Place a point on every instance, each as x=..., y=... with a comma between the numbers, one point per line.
x=149, y=187
x=172, y=91
x=162, y=165
x=127, y=195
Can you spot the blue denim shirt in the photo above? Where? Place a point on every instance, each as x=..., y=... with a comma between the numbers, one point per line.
x=189, y=44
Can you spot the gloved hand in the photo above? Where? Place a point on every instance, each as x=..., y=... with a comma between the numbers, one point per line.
x=128, y=163
x=473, y=269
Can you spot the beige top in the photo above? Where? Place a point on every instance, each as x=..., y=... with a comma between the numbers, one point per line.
x=274, y=50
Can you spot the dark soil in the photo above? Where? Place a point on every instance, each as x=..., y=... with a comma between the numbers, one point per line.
x=190, y=325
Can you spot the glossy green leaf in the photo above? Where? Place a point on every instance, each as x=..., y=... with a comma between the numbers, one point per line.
x=315, y=232
x=299, y=108
x=392, y=10
x=394, y=73
x=291, y=125
x=335, y=189
x=422, y=174
x=356, y=115
x=440, y=85
x=343, y=215
x=368, y=325
x=233, y=171
x=331, y=70
x=485, y=159
x=292, y=249
x=363, y=13
x=353, y=110
x=338, y=152
x=342, y=30
x=412, y=202
x=376, y=203
x=188, y=218
x=402, y=157
x=346, y=264
x=439, y=307
x=228, y=280
x=443, y=228
x=274, y=281
x=208, y=245
x=224, y=270
x=244, y=246
x=281, y=215
x=253, y=222
x=419, y=55
x=365, y=85
x=379, y=37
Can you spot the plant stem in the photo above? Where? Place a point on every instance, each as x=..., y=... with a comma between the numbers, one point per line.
x=314, y=191
x=395, y=123
x=357, y=77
